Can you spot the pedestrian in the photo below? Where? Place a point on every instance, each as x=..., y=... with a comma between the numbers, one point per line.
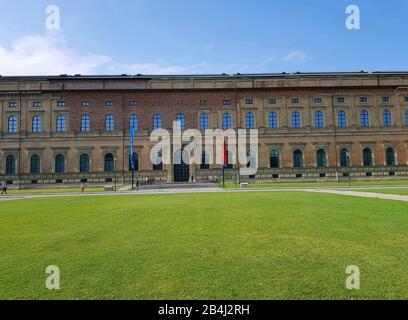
x=82, y=188
x=4, y=188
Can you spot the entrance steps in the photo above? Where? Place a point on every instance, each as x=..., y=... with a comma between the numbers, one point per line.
x=179, y=185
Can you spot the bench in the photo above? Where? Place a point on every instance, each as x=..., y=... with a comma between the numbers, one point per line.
x=244, y=184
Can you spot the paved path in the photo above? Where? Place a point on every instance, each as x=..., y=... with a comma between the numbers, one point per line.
x=345, y=191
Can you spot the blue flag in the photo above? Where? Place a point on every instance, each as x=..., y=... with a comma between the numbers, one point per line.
x=132, y=160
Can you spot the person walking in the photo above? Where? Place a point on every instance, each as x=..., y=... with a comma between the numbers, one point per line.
x=82, y=188
x=4, y=188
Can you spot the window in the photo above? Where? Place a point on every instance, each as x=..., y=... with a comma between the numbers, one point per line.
x=297, y=159
x=36, y=123
x=60, y=103
x=10, y=165
x=12, y=104
x=84, y=163
x=386, y=99
x=295, y=119
x=344, y=158
x=181, y=122
x=295, y=100
x=274, y=159
x=406, y=117
x=227, y=121
x=157, y=122
x=61, y=124
x=133, y=103
x=12, y=124
x=230, y=161
x=227, y=102
x=135, y=162
x=341, y=99
x=250, y=120
x=109, y=162
x=318, y=119
x=158, y=161
x=406, y=99
x=85, y=103
x=203, y=121
x=85, y=123
x=108, y=103
x=272, y=101
x=109, y=123
x=317, y=100
x=363, y=99
x=390, y=156
x=205, y=161
x=249, y=101
x=133, y=122
x=273, y=120
x=387, y=118
x=341, y=119
x=35, y=164
x=36, y=104
x=364, y=118
x=59, y=164
x=321, y=158
x=367, y=157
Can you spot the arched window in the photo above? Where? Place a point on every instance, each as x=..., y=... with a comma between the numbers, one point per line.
x=85, y=123
x=406, y=117
x=273, y=120
x=35, y=164
x=109, y=123
x=135, y=162
x=205, y=161
x=297, y=159
x=134, y=122
x=59, y=164
x=387, y=118
x=10, y=165
x=203, y=121
x=318, y=119
x=295, y=119
x=109, y=162
x=158, y=161
x=157, y=122
x=364, y=118
x=390, y=156
x=250, y=120
x=181, y=122
x=84, y=163
x=37, y=124
x=61, y=124
x=321, y=158
x=344, y=158
x=367, y=157
x=226, y=121
x=12, y=124
x=341, y=119
x=274, y=158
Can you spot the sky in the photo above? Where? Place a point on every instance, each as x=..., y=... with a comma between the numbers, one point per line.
x=201, y=37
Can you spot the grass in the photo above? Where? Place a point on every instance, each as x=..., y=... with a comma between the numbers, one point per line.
x=204, y=246
x=397, y=191
x=323, y=184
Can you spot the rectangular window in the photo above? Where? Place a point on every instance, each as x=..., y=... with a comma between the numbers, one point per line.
x=108, y=103
x=227, y=102
x=386, y=99
x=133, y=103
x=12, y=104
x=249, y=101
x=406, y=99
x=36, y=104
x=85, y=103
x=60, y=103
x=340, y=100
x=363, y=99
x=272, y=101
x=295, y=100
x=317, y=100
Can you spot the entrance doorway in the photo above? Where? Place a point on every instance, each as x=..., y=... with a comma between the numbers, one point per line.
x=182, y=169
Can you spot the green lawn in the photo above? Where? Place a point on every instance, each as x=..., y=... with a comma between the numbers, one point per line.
x=323, y=184
x=398, y=191
x=204, y=246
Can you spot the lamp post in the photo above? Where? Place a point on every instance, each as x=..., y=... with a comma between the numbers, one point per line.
x=114, y=171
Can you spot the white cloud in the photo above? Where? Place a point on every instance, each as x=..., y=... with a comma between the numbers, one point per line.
x=46, y=55
x=295, y=57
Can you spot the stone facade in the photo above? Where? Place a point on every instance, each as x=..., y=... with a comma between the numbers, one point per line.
x=383, y=97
